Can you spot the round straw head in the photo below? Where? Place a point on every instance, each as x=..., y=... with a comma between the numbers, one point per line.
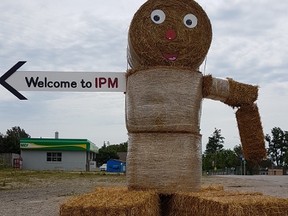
x=169, y=33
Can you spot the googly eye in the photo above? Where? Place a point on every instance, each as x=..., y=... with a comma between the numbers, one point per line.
x=158, y=16
x=190, y=20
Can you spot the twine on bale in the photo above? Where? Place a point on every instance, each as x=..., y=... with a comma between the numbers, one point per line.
x=251, y=133
x=215, y=88
x=162, y=117
x=164, y=99
x=166, y=162
x=113, y=202
x=147, y=43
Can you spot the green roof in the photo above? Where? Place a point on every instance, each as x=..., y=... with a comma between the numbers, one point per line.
x=57, y=144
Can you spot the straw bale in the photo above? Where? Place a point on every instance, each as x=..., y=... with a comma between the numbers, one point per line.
x=251, y=133
x=221, y=203
x=241, y=94
x=147, y=43
x=112, y=202
x=164, y=99
x=212, y=187
x=207, y=85
x=166, y=162
x=215, y=88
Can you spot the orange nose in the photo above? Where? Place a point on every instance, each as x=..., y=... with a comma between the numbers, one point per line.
x=170, y=34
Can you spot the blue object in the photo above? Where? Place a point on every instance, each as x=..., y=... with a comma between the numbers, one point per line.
x=117, y=166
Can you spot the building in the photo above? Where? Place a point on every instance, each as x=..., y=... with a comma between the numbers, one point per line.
x=117, y=166
x=58, y=154
x=275, y=171
x=9, y=160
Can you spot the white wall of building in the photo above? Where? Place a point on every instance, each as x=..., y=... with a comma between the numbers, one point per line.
x=37, y=160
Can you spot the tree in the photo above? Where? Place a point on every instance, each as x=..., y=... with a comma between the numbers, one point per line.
x=110, y=152
x=213, y=148
x=278, y=146
x=238, y=151
x=11, y=141
x=251, y=167
x=1, y=143
x=215, y=142
x=226, y=158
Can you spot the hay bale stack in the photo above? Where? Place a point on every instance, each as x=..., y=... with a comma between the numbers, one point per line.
x=166, y=162
x=112, y=202
x=147, y=44
x=251, y=133
x=164, y=100
x=163, y=121
x=221, y=203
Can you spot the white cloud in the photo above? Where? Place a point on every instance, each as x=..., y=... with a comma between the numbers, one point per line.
x=249, y=45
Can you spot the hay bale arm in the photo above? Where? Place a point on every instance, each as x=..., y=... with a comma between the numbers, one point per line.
x=251, y=133
x=242, y=96
x=230, y=92
x=215, y=88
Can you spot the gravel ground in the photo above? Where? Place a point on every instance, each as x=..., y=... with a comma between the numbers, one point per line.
x=268, y=185
x=44, y=198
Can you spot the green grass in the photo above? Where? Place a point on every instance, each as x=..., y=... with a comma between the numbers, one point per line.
x=11, y=178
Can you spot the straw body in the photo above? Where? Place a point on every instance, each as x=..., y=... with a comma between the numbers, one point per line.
x=166, y=162
x=164, y=100
x=162, y=116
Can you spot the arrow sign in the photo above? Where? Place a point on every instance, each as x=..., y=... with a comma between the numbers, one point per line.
x=61, y=81
x=7, y=75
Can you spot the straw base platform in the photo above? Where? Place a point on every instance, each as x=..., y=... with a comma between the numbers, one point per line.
x=225, y=203
x=210, y=201
x=112, y=202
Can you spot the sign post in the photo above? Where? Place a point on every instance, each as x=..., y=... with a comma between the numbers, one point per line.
x=61, y=81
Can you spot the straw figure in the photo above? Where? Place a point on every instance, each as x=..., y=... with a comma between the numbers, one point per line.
x=168, y=40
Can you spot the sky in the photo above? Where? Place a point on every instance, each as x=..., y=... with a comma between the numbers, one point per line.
x=249, y=45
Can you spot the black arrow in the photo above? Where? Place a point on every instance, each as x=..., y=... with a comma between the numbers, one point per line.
x=7, y=75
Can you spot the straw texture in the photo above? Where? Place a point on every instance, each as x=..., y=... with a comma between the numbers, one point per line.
x=112, y=202
x=222, y=203
x=251, y=133
x=241, y=94
x=166, y=162
x=147, y=42
x=211, y=200
x=207, y=85
x=164, y=99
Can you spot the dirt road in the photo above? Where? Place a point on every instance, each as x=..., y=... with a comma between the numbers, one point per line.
x=44, y=198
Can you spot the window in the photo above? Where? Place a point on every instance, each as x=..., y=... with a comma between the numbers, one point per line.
x=54, y=156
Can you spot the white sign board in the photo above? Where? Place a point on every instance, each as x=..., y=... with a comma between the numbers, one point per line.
x=61, y=81
x=68, y=81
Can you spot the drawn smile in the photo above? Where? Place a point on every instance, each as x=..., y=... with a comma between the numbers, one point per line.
x=170, y=56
